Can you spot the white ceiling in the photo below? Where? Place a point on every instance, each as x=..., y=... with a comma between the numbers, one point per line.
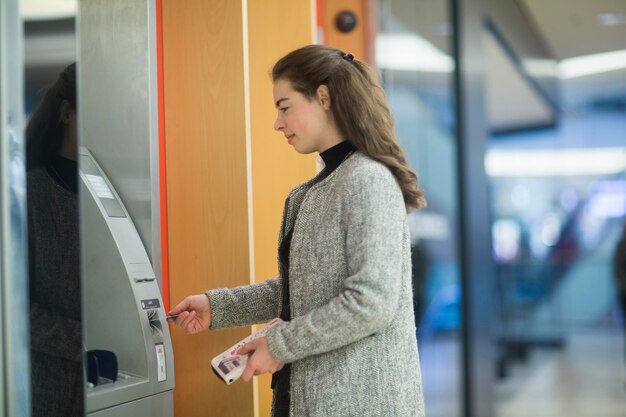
x=511, y=102
x=572, y=28
x=569, y=28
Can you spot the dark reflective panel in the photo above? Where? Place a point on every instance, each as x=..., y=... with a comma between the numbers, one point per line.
x=413, y=52
x=53, y=222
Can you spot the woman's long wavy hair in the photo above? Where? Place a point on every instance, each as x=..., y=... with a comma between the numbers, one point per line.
x=358, y=105
x=45, y=129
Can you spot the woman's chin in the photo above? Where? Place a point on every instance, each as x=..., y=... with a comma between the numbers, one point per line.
x=303, y=150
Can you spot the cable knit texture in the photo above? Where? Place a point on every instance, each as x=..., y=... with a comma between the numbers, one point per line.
x=351, y=340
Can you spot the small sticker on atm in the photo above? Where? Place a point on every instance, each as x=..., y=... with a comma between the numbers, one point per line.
x=150, y=303
x=100, y=186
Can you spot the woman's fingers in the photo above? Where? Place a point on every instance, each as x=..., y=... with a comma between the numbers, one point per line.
x=248, y=347
x=190, y=323
x=248, y=373
x=178, y=320
x=260, y=360
x=180, y=307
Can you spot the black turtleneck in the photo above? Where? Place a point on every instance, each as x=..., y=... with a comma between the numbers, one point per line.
x=64, y=172
x=332, y=157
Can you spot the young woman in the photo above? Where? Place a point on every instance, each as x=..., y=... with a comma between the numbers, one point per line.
x=347, y=346
x=53, y=250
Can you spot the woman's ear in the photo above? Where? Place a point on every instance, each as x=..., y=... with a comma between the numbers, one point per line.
x=323, y=95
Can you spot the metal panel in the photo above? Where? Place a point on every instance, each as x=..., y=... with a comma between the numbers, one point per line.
x=117, y=105
x=14, y=350
x=478, y=273
x=155, y=406
x=153, y=125
x=477, y=265
x=116, y=270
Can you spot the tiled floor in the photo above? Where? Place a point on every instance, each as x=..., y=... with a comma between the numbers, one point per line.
x=441, y=372
x=585, y=379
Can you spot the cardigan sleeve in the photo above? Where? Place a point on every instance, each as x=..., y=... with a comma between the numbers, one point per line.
x=245, y=305
x=374, y=222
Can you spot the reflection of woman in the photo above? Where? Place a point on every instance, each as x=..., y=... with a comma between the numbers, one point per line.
x=53, y=243
x=344, y=292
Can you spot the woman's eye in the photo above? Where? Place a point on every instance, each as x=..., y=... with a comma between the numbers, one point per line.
x=283, y=109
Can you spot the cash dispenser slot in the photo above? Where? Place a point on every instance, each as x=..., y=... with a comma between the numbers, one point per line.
x=123, y=310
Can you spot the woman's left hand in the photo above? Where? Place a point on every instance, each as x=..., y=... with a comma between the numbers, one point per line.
x=261, y=361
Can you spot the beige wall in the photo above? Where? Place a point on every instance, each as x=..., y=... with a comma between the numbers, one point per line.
x=275, y=28
x=228, y=172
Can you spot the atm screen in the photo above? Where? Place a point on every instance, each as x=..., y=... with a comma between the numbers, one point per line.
x=100, y=186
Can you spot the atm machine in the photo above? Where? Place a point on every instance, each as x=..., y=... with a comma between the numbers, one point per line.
x=122, y=306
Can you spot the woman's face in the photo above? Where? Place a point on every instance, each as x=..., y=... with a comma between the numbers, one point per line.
x=306, y=123
x=69, y=145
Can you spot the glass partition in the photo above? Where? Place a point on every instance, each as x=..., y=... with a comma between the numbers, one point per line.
x=14, y=378
x=413, y=53
x=559, y=209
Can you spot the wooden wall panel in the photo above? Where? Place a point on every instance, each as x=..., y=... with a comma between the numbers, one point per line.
x=275, y=27
x=207, y=187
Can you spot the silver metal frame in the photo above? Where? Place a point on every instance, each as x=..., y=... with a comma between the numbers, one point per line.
x=155, y=180
x=117, y=99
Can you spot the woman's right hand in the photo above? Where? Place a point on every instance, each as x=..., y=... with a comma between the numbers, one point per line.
x=193, y=314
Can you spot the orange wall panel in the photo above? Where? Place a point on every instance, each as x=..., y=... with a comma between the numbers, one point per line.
x=360, y=41
x=205, y=139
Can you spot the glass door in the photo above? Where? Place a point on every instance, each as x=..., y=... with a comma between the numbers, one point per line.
x=413, y=52
x=14, y=379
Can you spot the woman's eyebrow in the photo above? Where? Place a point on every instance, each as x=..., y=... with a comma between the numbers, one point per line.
x=280, y=100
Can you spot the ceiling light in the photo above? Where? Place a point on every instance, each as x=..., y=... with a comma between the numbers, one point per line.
x=47, y=9
x=611, y=19
x=555, y=162
x=410, y=52
x=540, y=67
x=592, y=64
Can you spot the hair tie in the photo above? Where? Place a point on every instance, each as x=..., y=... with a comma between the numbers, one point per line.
x=348, y=57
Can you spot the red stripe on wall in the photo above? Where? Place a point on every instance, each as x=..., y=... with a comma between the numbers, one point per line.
x=320, y=14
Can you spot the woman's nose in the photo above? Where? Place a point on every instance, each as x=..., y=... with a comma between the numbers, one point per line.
x=278, y=124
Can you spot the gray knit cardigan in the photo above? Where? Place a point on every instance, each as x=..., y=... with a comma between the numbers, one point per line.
x=351, y=340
